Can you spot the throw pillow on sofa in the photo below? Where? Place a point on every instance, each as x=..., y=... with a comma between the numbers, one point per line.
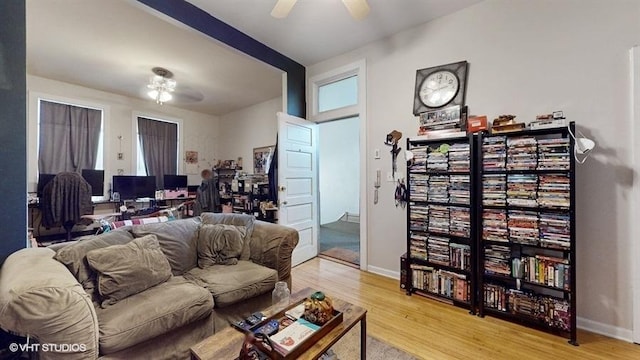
x=248, y=221
x=74, y=257
x=124, y=270
x=219, y=244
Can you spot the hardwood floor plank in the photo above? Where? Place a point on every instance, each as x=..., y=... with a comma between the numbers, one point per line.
x=429, y=329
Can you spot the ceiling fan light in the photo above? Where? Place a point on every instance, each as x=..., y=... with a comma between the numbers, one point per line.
x=153, y=94
x=165, y=96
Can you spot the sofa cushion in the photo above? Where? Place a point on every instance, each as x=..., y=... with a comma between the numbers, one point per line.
x=124, y=270
x=233, y=284
x=219, y=244
x=234, y=219
x=151, y=313
x=74, y=257
x=178, y=242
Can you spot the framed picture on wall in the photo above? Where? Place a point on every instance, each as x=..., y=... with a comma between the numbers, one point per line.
x=262, y=159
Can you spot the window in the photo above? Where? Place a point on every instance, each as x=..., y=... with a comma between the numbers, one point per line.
x=157, y=148
x=338, y=94
x=70, y=137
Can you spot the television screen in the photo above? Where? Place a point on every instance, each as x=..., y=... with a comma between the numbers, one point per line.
x=134, y=187
x=95, y=178
x=173, y=182
x=43, y=180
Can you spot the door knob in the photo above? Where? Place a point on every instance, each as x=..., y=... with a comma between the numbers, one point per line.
x=284, y=203
x=282, y=188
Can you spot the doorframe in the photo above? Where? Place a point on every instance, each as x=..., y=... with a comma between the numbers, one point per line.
x=358, y=68
x=634, y=55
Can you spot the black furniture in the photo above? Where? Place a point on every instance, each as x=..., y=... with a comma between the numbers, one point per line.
x=522, y=226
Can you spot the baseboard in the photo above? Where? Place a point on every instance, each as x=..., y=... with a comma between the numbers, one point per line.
x=384, y=272
x=605, y=329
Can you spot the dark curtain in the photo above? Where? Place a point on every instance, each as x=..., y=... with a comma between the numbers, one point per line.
x=69, y=138
x=159, y=143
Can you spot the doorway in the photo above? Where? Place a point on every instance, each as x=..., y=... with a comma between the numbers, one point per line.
x=339, y=184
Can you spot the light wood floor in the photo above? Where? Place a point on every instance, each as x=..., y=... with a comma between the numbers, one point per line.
x=429, y=329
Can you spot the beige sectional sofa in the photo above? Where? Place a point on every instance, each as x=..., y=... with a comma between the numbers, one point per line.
x=52, y=298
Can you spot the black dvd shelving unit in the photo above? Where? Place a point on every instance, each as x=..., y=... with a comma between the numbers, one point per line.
x=526, y=229
x=520, y=240
x=441, y=246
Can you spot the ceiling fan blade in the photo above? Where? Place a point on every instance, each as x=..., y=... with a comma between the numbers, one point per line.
x=282, y=8
x=359, y=9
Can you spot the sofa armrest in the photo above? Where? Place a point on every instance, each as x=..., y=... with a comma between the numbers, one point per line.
x=41, y=299
x=272, y=245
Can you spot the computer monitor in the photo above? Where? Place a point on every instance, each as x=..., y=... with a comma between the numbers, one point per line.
x=95, y=178
x=172, y=182
x=43, y=180
x=146, y=187
x=125, y=185
x=134, y=187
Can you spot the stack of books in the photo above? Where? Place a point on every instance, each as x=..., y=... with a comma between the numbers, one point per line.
x=419, y=185
x=494, y=225
x=418, y=217
x=495, y=297
x=418, y=248
x=523, y=227
x=460, y=256
x=522, y=153
x=553, y=154
x=439, y=188
x=494, y=153
x=459, y=186
x=554, y=191
x=438, y=248
x=459, y=157
x=419, y=159
x=547, y=270
x=555, y=230
x=494, y=189
x=437, y=161
x=460, y=222
x=439, y=219
x=522, y=190
x=497, y=260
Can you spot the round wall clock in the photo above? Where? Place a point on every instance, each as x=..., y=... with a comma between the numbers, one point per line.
x=440, y=86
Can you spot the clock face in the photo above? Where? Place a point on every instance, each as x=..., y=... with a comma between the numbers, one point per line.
x=439, y=88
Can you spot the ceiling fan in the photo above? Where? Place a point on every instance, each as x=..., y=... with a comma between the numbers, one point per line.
x=359, y=9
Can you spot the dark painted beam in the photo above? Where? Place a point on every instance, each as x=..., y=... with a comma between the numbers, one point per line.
x=202, y=21
x=13, y=121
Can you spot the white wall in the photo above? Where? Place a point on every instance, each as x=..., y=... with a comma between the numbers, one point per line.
x=248, y=128
x=200, y=131
x=339, y=165
x=526, y=58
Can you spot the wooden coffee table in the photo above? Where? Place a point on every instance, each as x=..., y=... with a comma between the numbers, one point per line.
x=226, y=344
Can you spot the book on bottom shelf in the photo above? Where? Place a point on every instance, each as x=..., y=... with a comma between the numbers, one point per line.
x=293, y=335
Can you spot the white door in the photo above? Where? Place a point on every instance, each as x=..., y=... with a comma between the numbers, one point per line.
x=298, y=182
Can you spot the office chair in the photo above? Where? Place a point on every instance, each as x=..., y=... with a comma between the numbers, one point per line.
x=65, y=199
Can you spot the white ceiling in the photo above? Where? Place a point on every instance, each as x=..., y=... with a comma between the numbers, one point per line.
x=112, y=46
x=316, y=30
